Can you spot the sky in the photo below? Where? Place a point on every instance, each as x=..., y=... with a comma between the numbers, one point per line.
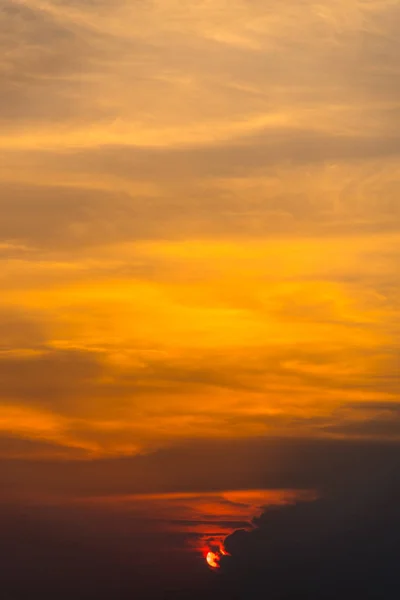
x=200, y=249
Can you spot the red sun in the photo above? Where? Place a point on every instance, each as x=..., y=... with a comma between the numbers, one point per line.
x=213, y=559
x=213, y=556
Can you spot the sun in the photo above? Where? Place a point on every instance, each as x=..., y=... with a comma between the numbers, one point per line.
x=213, y=559
x=214, y=556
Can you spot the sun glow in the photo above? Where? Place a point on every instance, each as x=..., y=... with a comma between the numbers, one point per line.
x=213, y=559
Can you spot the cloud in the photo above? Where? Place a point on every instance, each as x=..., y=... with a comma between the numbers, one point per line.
x=352, y=526
x=90, y=551
x=206, y=465
x=42, y=63
x=364, y=420
x=61, y=217
x=160, y=75
x=283, y=355
x=200, y=232
x=20, y=330
x=47, y=377
x=199, y=250
x=13, y=447
x=342, y=545
x=104, y=198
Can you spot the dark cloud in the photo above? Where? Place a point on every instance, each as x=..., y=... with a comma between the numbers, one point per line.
x=344, y=545
x=365, y=419
x=380, y=426
x=13, y=447
x=91, y=554
x=209, y=465
x=232, y=524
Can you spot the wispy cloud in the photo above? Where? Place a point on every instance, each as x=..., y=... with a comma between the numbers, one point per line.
x=200, y=221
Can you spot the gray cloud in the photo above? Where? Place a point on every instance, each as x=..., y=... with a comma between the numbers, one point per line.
x=50, y=378
x=208, y=465
x=44, y=216
x=192, y=203
x=41, y=64
x=21, y=330
x=247, y=155
x=13, y=447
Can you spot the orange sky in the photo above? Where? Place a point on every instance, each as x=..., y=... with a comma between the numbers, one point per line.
x=199, y=223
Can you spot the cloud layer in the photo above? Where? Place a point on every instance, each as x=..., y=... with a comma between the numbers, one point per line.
x=200, y=223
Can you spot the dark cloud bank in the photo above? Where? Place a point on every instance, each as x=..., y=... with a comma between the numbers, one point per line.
x=344, y=545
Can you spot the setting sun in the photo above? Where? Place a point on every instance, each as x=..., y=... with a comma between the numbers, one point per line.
x=213, y=559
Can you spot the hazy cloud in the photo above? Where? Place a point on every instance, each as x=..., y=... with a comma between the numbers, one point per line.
x=199, y=220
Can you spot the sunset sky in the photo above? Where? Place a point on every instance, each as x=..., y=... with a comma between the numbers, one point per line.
x=199, y=240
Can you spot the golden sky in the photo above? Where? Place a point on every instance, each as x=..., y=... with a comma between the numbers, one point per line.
x=199, y=222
